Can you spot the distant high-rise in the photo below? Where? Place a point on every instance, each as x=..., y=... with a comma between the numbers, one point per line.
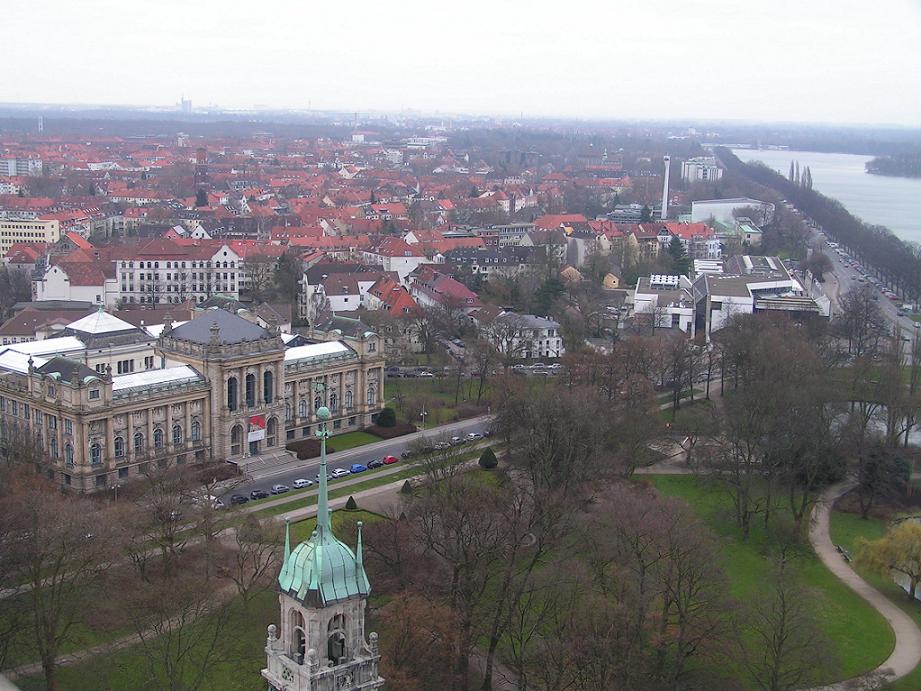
x=41, y=124
x=668, y=161
x=185, y=105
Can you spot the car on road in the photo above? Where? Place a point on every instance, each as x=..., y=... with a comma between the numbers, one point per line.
x=425, y=375
x=258, y=494
x=388, y=460
x=457, y=440
x=341, y=472
x=442, y=445
x=328, y=477
x=358, y=468
x=473, y=436
x=280, y=489
x=236, y=499
x=376, y=463
x=302, y=482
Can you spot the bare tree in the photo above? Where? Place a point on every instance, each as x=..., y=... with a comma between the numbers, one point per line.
x=60, y=545
x=256, y=556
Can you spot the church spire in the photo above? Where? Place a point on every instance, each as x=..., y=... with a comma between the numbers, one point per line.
x=287, y=540
x=323, y=523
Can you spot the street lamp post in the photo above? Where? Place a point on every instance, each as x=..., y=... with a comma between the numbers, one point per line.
x=422, y=415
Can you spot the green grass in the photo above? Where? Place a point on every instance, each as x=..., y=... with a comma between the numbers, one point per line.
x=438, y=394
x=846, y=528
x=240, y=657
x=350, y=440
x=860, y=636
x=343, y=524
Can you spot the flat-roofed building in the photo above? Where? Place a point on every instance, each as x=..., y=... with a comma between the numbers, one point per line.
x=16, y=230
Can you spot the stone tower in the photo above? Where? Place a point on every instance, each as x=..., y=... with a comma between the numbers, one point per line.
x=320, y=644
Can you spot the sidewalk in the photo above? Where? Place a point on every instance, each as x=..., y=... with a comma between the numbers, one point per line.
x=906, y=655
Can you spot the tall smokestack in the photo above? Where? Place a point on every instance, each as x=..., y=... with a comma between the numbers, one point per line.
x=667, y=160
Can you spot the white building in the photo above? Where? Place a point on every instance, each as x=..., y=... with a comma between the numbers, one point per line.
x=666, y=301
x=525, y=336
x=80, y=282
x=700, y=169
x=10, y=167
x=722, y=210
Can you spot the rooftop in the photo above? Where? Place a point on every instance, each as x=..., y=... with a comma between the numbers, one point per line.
x=100, y=322
x=230, y=329
x=154, y=377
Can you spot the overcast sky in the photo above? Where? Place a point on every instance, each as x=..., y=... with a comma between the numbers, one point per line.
x=851, y=61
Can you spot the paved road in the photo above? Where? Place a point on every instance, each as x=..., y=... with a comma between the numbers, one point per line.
x=907, y=651
x=847, y=277
x=344, y=459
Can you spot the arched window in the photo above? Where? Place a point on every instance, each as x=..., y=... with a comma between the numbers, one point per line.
x=287, y=412
x=236, y=440
x=302, y=408
x=271, y=429
x=267, y=384
x=95, y=454
x=372, y=398
x=317, y=402
x=177, y=434
x=335, y=645
x=348, y=398
x=69, y=454
x=138, y=442
x=119, y=443
x=232, y=393
x=158, y=438
x=196, y=430
x=250, y=390
x=333, y=401
x=53, y=447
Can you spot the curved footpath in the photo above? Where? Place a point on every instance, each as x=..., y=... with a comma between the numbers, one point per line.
x=906, y=655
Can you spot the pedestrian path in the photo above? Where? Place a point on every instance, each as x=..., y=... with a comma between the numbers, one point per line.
x=906, y=655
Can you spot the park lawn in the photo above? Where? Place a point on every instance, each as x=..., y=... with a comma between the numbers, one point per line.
x=241, y=655
x=860, y=636
x=846, y=528
x=240, y=650
x=84, y=633
x=350, y=440
x=343, y=524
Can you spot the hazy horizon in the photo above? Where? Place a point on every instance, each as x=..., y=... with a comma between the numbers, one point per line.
x=833, y=63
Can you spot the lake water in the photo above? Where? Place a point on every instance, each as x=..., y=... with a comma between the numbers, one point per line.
x=877, y=199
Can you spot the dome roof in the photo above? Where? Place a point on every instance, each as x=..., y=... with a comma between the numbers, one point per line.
x=323, y=570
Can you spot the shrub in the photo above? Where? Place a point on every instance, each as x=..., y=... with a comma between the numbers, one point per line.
x=387, y=418
x=407, y=487
x=488, y=459
x=350, y=505
x=397, y=430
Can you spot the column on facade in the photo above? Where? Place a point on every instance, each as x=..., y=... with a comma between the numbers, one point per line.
x=148, y=442
x=129, y=433
x=110, y=438
x=187, y=432
x=168, y=421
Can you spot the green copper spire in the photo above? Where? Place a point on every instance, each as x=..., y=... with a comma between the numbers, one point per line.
x=323, y=524
x=323, y=569
x=287, y=539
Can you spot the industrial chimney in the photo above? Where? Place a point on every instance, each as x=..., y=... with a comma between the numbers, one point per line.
x=667, y=160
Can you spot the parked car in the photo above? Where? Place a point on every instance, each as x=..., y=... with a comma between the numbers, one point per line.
x=357, y=468
x=388, y=460
x=376, y=463
x=442, y=445
x=457, y=440
x=341, y=472
x=406, y=454
x=258, y=494
x=238, y=499
x=280, y=489
x=328, y=477
x=425, y=375
x=302, y=482
x=473, y=436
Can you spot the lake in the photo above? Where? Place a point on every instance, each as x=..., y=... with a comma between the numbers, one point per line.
x=877, y=199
